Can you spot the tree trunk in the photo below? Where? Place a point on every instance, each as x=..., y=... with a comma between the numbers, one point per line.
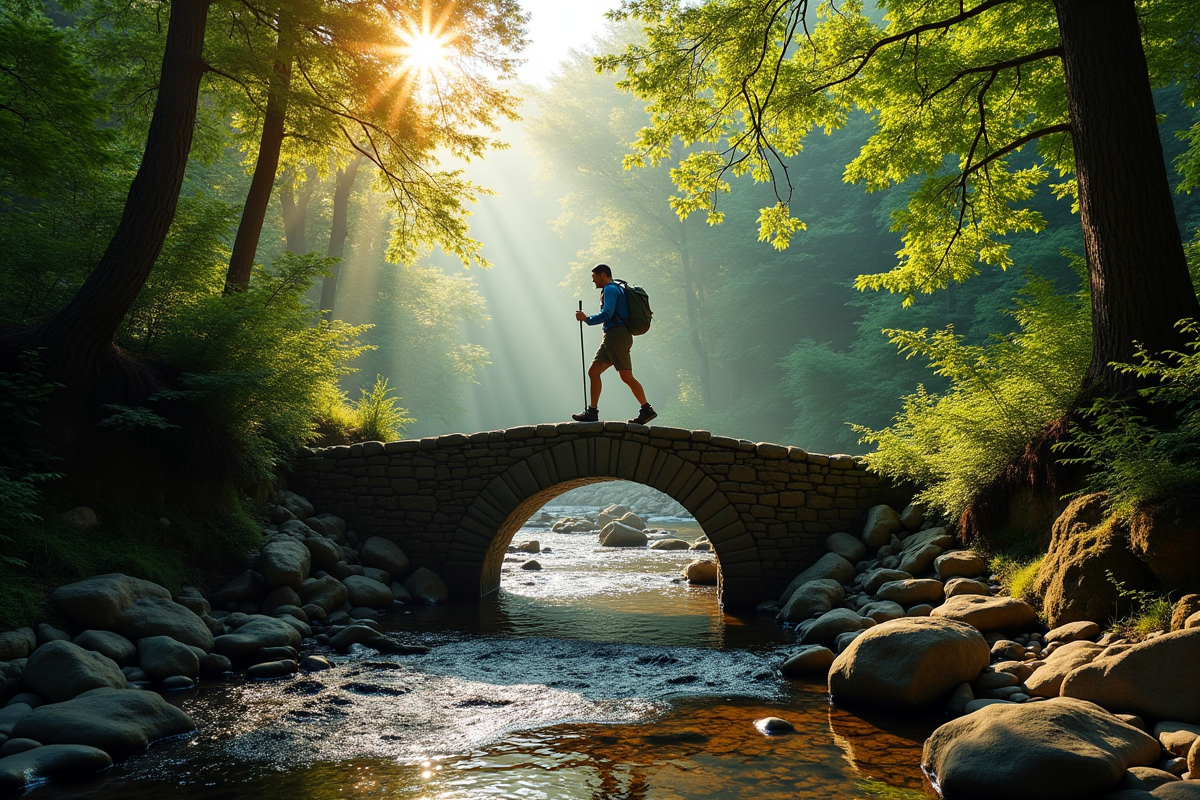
x=77, y=337
x=693, y=316
x=338, y=231
x=295, y=211
x=245, y=245
x=1139, y=278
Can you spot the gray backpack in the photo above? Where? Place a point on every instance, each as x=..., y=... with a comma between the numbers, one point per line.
x=640, y=314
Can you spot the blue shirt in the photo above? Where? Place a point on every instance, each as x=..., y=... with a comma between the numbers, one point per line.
x=614, y=307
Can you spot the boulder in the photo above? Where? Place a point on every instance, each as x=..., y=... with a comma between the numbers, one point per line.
x=280, y=597
x=933, y=536
x=878, y=577
x=1053, y=750
x=59, y=671
x=830, y=566
x=847, y=546
x=826, y=628
x=814, y=597
x=881, y=523
x=363, y=591
x=670, y=544
x=1188, y=605
x=11, y=714
x=269, y=670
x=256, y=633
x=323, y=553
x=959, y=564
x=48, y=633
x=161, y=657
x=532, y=565
x=426, y=587
x=299, y=507
x=118, y=721
x=989, y=613
x=352, y=634
x=808, y=661
x=618, y=534
x=1072, y=632
x=17, y=644
x=98, y=602
x=1167, y=538
x=957, y=586
x=1193, y=758
x=157, y=616
x=384, y=554
x=882, y=611
x=1155, y=679
x=913, y=517
x=1046, y=680
x=53, y=762
x=1072, y=582
x=190, y=598
x=247, y=586
x=611, y=513
x=917, y=560
x=284, y=562
x=632, y=520
x=911, y=592
x=1176, y=737
x=328, y=592
x=702, y=572
x=533, y=546
x=907, y=663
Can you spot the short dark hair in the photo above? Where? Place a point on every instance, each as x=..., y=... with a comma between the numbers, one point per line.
x=603, y=268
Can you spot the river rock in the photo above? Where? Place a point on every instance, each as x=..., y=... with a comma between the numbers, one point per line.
x=247, y=586
x=989, y=613
x=882, y=521
x=118, y=721
x=98, y=602
x=826, y=628
x=215, y=664
x=913, y=517
x=813, y=597
x=830, y=566
x=297, y=505
x=618, y=534
x=702, y=572
x=269, y=670
x=911, y=592
x=959, y=564
x=161, y=657
x=848, y=547
x=1057, y=749
x=808, y=661
x=314, y=663
x=17, y=644
x=11, y=714
x=363, y=591
x=882, y=611
x=1146, y=779
x=285, y=562
x=670, y=544
x=878, y=577
x=323, y=553
x=14, y=746
x=156, y=616
x=384, y=554
x=532, y=546
x=280, y=596
x=918, y=560
x=773, y=726
x=328, y=592
x=957, y=586
x=1072, y=632
x=532, y=565
x=61, y=670
x=190, y=598
x=907, y=663
x=1188, y=605
x=1046, y=680
x=1155, y=679
x=49, y=763
x=48, y=633
x=1176, y=737
x=426, y=587
x=632, y=520
x=352, y=634
x=256, y=633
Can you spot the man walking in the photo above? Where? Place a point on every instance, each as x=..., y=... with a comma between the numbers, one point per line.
x=614, y=346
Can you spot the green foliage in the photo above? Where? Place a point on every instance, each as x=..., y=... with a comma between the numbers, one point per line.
x=1149, y=611
x=1000, y=394
x=1016, y=573
x=377, y=416
x=1137, y=460
x=24, y=466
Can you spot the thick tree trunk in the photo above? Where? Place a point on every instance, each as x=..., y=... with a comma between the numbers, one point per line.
x=295, y=211
x=338, y=231
x=693, y=316
x=76, y=338
x=245, y=244
x=1139, y=278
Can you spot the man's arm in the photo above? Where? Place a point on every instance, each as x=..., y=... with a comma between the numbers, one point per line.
x=608, y=307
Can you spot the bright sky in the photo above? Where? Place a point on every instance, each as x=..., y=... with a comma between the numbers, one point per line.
x=556, y=26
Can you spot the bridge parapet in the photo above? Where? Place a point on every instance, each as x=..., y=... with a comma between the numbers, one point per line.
x=454, y=502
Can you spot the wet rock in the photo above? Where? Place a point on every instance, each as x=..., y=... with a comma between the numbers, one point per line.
x=701, y=572
x=51, y=763
x=328, y=592
x=531, y=546
x=989, y=613
x=911, y=592
x=1155, y=679
x=848, y=547
x=284, y=562
x=959, y=564
x=271, y=670
x=670, y=544
x=830, y=566
x=11, y=714
x=813, y=597
x=14, y=746
x=381, y=553
x=425, y=586
x=828, y=626
x=773, y=726
x=315, y=664
x=256, y=633
x=611, y=513
x=808, y=661
x=632, y=520
x=363, y=591
x=118, y=721
x=400, y=593
x=100, y=601
x=957, y=586
x=1059, y=748
x=135, y=675
x=215, y=664
x=178, y=683
x=882, y=521
x=161, y=657
x=617, y=534
x=155, y=616
x=59, y=671
x=17, y=644
x=907, y=663
x=704, y=547
x=31, y=699
x=531, y=565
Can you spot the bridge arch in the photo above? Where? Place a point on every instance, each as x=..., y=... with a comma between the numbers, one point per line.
x=516, y=494
x=454, y=502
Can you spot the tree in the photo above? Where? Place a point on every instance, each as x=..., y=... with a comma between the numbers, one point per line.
x=958, y=91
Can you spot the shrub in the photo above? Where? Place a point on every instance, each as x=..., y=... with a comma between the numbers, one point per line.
x=377, y=416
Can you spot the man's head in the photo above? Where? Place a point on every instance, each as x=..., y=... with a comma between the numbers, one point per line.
x=601, y=275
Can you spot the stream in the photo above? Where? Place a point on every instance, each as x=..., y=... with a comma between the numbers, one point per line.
x=602, y=675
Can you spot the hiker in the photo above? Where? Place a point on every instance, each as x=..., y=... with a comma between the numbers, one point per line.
x=614, y=346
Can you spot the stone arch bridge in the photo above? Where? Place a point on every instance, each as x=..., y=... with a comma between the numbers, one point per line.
x=454, y=502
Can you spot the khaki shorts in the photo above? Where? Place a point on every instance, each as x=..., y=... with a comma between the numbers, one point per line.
x=614, y=348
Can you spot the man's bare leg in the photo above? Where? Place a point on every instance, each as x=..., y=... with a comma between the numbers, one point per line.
x=595, y=384
x=631, y=382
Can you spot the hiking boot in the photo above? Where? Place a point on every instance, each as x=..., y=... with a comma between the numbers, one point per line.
x=645, y=414
x=590, y=414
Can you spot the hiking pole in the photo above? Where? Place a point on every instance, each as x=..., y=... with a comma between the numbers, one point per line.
x=582, y=367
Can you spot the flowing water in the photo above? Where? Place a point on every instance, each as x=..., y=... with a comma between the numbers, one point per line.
x=600, y=676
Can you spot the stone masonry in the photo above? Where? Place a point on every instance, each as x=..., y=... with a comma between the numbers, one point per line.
x=454, y=502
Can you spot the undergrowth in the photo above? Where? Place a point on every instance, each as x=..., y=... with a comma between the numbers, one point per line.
x=1149, y=611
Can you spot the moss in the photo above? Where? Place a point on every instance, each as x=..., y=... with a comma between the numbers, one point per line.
x=879, y=789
